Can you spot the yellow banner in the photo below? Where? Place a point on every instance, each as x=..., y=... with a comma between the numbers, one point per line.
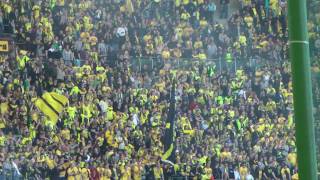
x=167, y=154
x=4, y=46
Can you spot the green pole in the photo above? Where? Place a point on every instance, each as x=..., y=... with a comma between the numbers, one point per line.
x=302, y=93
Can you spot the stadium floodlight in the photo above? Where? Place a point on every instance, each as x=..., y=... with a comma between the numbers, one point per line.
x=302, y=93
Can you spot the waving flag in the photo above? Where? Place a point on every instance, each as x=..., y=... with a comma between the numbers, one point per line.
x=169, y=132
x=51, y=104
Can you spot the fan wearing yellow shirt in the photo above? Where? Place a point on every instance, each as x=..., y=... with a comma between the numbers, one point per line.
x=2, y=139
x=62, y=168
x=147, y=37
x=295, y=175
x=86, y=69
x=149, y=48
x=77, y=173
x=285, y=172
x=292, y=158
x=36, y=11
x=60, y=2
x=84, y=173
x=94, y=55
x=65, y=133
x=225, y=154
x=165, y=54
x=203, y=23
x=50, y=163
x=108, y=173
x=72, y=171
x=198, y=44
x=185, y=15
x=177, y=52
x=207, y=172
x=137, y=170
x=86, y=113
x=85, y=36
x=202, y=55
x=76, y=168
x=4, y=108
x=185, y=2
x=71, y=110
x=243, y=40
x=158, y=171
x=109, y=135
x=158, y=39
x=243, y=170
x=93, y=39
x=200, y=2
x=7, y=8
x=105, y=173
x=246, y=2
x=125, y=172
x=248, y=20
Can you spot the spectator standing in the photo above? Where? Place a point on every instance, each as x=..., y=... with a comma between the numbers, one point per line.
x=224, y=11
x=68, y=56
x=212, y=8
x=1, y=22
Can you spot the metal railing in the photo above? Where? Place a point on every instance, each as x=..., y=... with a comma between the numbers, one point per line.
x=148, y=64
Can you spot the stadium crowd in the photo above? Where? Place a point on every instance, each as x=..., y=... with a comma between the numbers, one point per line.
x=235, y=124
x=313, y=27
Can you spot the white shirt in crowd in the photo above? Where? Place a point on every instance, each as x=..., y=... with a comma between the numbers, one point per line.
x=103, y=106
x=135, y=119
x=237, y=175
x=249, y=177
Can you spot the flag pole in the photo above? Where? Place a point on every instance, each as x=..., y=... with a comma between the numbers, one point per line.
x=302, y=92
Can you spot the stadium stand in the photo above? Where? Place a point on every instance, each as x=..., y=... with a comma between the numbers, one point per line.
x=313, y=26
x=147, y=89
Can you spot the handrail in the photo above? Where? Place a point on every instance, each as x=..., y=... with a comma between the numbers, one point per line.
x=184, y=63
x=139, y=64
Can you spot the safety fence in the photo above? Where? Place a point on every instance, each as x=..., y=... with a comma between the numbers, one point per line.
x=149, y=64
x=12, y=173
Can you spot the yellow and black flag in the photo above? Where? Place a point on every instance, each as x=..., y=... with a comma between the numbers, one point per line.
x=51, y=104
x=169, y=146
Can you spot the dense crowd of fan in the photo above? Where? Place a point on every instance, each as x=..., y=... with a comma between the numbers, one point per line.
x=235, y=123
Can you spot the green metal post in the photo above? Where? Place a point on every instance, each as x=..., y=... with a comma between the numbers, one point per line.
x=302, y=93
